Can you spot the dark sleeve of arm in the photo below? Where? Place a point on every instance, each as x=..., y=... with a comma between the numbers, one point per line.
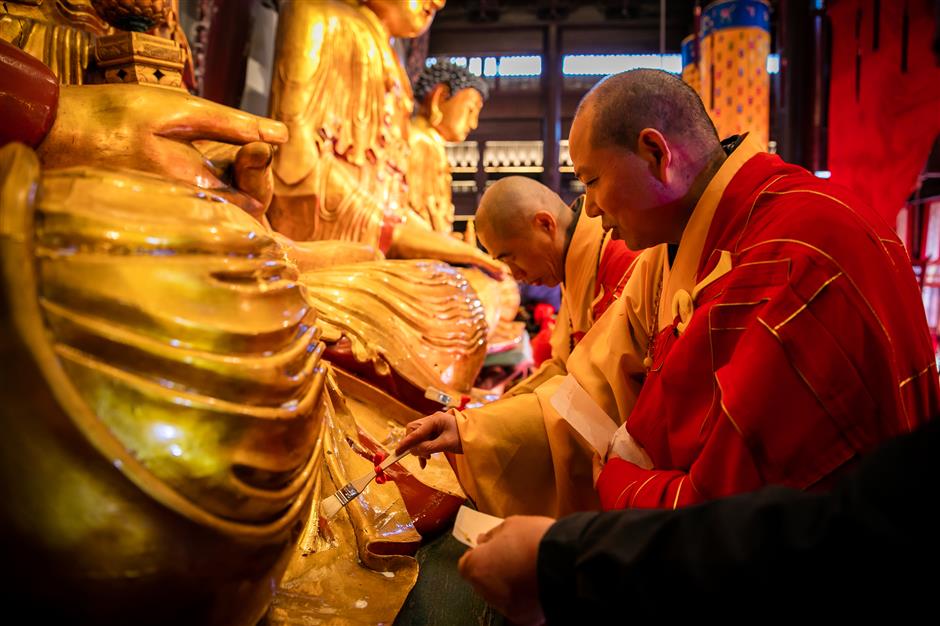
x=29, y=96
x=869, y=546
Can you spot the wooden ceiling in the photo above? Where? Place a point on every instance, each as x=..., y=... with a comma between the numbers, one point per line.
x=499, y=27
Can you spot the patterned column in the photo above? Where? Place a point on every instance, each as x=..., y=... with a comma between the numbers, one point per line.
x=691, y=72
x=734, y=45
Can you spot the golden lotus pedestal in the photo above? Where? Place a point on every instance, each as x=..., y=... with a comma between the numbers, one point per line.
x=139, y=58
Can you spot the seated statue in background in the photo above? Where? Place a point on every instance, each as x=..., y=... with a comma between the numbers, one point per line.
x=449, y=102
x=347, y=102
x=342, y=177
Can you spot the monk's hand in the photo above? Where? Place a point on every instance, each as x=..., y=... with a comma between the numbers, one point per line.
x=435, y=433
x=157, y=131
x=625, y=447
x=502, y=568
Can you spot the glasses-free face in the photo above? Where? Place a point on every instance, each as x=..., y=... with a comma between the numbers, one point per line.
x=629, y=189
x=460, y=114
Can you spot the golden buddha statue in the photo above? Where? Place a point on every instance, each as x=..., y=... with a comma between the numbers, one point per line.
x=342, y=177
x=450, y=99
x=169, y=421
x=347, y=102
x=165, y=391
x=437, y=336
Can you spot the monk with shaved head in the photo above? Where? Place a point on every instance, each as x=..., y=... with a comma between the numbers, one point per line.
x=527, y=226
x=783, y=337
x=546, y=242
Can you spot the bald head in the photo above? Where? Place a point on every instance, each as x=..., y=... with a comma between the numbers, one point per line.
x=622, y=105
x=525, y=224
x=508, y=205
x=645, y=149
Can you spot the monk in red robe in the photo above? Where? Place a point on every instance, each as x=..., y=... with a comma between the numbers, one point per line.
x=790, y=338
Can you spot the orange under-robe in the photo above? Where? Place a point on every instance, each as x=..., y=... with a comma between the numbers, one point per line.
x=791, y=341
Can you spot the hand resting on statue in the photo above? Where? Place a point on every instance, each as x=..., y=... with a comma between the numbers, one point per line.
x=414, y=242
x=156, y=130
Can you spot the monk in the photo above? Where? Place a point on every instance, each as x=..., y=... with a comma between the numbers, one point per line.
x=785, y=338
x=517, y=455
x=545, y=242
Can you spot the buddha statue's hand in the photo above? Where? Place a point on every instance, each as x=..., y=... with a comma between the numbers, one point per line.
x=153, y=130
x=414, y=242
x=503, y=568
x=495, y=269
x=307, y=256
x=434, y=433
x=246, y=169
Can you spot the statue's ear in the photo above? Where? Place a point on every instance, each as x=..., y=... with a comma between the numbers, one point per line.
x=436, y=98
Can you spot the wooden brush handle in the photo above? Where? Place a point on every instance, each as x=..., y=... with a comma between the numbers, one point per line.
x=387, y=463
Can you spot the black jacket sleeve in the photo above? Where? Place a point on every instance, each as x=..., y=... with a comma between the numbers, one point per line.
x=867, y=548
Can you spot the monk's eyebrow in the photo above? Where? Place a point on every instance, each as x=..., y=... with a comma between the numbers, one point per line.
x=579, y=174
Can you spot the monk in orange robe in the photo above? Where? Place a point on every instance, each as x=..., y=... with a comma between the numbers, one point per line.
x=546, y=243
x=516, y=454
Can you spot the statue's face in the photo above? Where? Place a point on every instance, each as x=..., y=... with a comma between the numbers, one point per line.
x=460, y=114
x=406, y=18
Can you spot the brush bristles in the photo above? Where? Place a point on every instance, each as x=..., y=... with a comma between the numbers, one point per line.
x=329, y=507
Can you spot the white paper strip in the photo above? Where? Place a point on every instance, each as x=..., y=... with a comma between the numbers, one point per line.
x=471, y=524
x=580, y=410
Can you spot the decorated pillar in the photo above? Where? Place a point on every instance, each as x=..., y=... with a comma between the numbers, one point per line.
x=734, y=45
x=691, y=73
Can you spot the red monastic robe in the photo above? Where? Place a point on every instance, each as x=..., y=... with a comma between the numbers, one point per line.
x=802, y=346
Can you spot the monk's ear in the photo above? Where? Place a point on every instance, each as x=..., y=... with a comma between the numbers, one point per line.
x=653, y=148
x=544, y=222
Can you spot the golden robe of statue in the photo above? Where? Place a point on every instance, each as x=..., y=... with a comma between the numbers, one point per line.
x=169, y=422
x=347, y=103
x=342, y=177
x=429, y=188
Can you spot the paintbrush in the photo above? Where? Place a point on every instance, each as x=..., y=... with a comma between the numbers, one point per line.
x=330, y=506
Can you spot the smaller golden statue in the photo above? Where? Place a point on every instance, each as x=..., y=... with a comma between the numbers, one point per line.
x=449, y=100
